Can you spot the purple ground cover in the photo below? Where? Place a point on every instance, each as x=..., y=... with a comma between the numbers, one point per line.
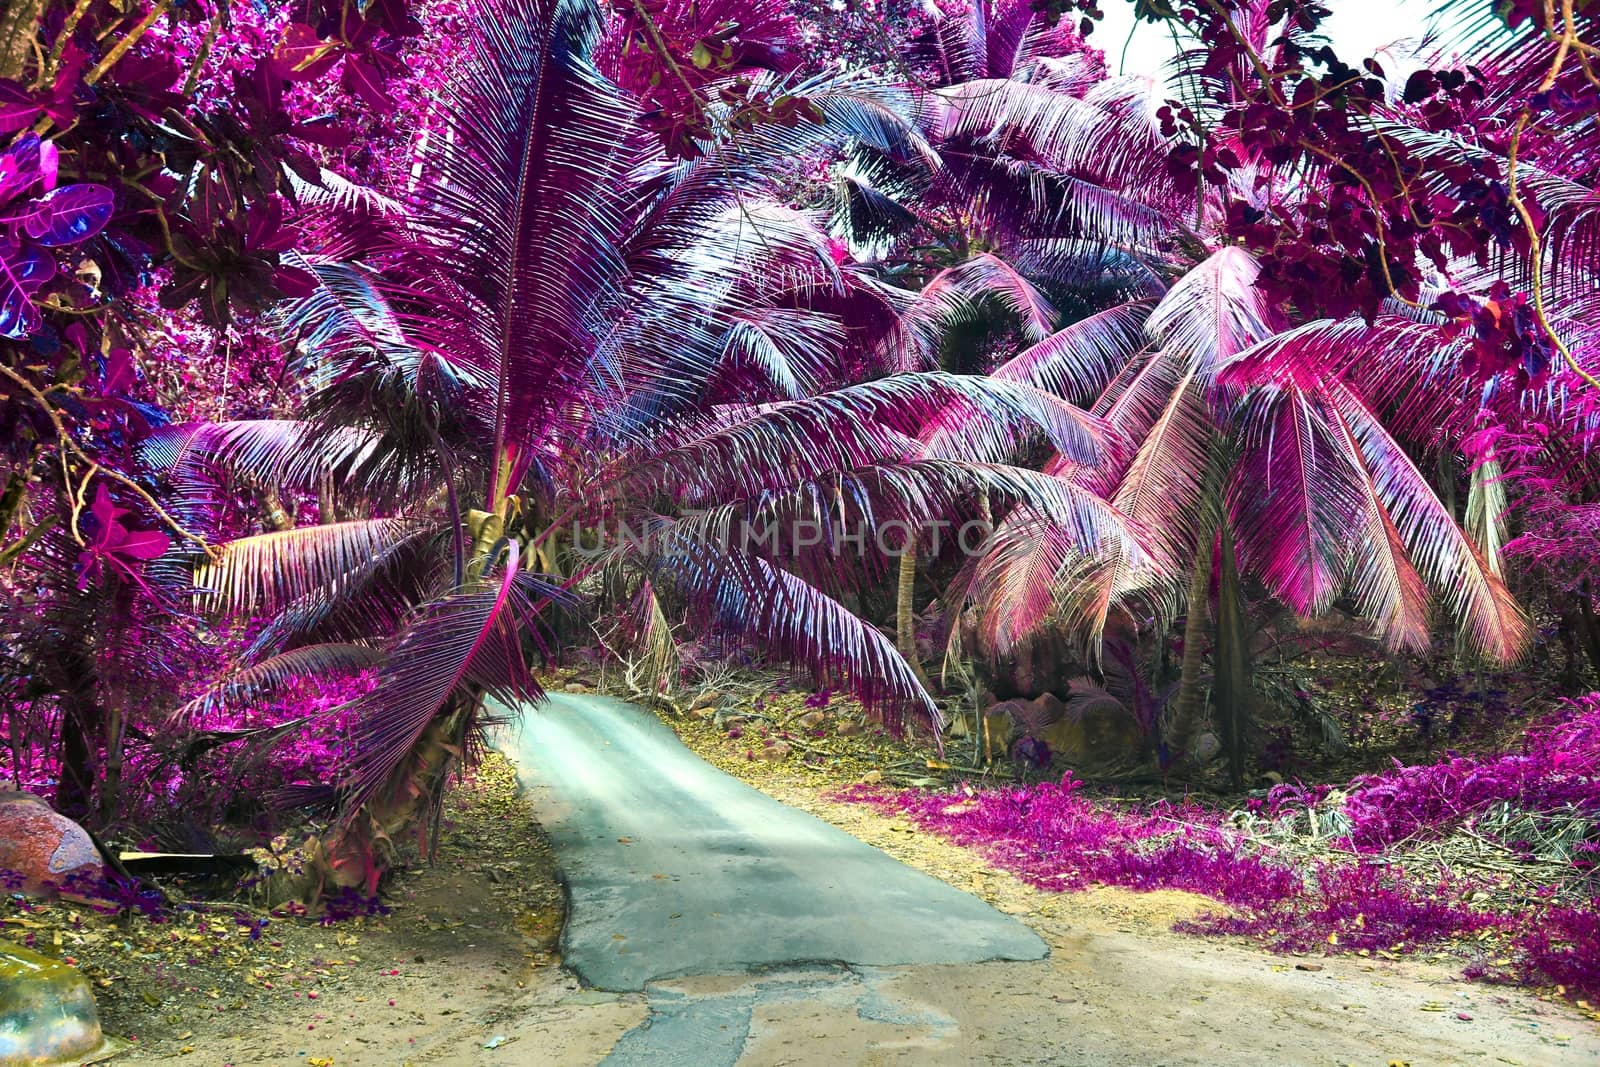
x=1373, y=896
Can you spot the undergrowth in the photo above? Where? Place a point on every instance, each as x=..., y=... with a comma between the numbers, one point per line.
x=1493, y=854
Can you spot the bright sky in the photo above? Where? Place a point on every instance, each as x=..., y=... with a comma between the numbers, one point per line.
x=1358, y=28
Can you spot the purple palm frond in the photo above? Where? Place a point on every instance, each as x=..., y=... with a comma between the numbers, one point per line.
x=1410, y=370
x=1079, y=360
x=1295, y=498
x=459, y=640
x=744, y=596
x=742, y=455
x=954, y=293
x=365, y=604
x=1037, y=572
x=1478, y=599
x=251, y=683
x=1215, y=311
x=525, y=207
x=1163, y=489
x=273, y=452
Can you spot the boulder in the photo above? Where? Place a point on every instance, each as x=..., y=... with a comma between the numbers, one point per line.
x=44, y=848
x=726, y=718
x=1046, y=708
x=708, y=698
x=47, y=1012
x=1207, y=747
x=1096, y=733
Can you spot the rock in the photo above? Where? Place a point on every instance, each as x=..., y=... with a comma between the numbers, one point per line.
x=775, y=751
x=1046, y=708
x=43, y=847
x=576, y=687
x=849, y=728
x=1096, y=733
x=47, y=1012
x=872, y=777
x=727, y=718
x=1207, y=747
x=708, y=698
x=813, y=719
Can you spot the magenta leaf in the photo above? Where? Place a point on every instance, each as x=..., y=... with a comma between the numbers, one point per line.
x=304, y=55
x=363, y=80
x=17, y=107
x=113, y=547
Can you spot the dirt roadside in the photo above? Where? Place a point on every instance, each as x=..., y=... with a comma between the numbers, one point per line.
x=1118, y=988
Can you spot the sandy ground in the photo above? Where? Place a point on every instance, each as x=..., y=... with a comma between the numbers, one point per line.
x=1117, y=988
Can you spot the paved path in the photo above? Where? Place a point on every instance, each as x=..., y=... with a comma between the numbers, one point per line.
x=675, y=868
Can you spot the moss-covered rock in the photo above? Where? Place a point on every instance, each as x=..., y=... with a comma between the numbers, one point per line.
x=47, y=1012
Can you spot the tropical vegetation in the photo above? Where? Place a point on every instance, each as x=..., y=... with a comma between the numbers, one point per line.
x=357, y=360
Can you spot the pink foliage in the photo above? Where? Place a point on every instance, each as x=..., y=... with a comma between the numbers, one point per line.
x=1055, y=838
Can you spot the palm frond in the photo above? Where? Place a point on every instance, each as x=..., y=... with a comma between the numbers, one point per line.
x=1486, y=512
x=1078, y=361
x=743, y=453
x=1480, y=602
x=281, y=453
x=955, y=293
x=525, y=208
x=460, y=640
x=250, y=683
x=1294, y=498
x=1214, y=311
x=268, y=571
x=1163, y=488
x=744, y=596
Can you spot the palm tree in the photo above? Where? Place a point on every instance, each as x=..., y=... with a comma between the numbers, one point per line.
x=569, y=329
x=1247, y=434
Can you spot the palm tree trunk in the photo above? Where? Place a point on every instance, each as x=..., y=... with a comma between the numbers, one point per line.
x=357, y=854
x=1189, y=707
x=1232, y=662
x=905, y=631
x=1589, y=629
x=327, y=509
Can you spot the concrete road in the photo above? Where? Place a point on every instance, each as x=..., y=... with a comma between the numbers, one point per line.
x=675, y=868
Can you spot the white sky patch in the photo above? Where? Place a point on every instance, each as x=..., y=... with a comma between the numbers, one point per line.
x=1357, y=28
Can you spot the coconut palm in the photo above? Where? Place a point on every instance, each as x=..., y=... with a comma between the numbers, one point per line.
x=1253, y=446
x=566, y=330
